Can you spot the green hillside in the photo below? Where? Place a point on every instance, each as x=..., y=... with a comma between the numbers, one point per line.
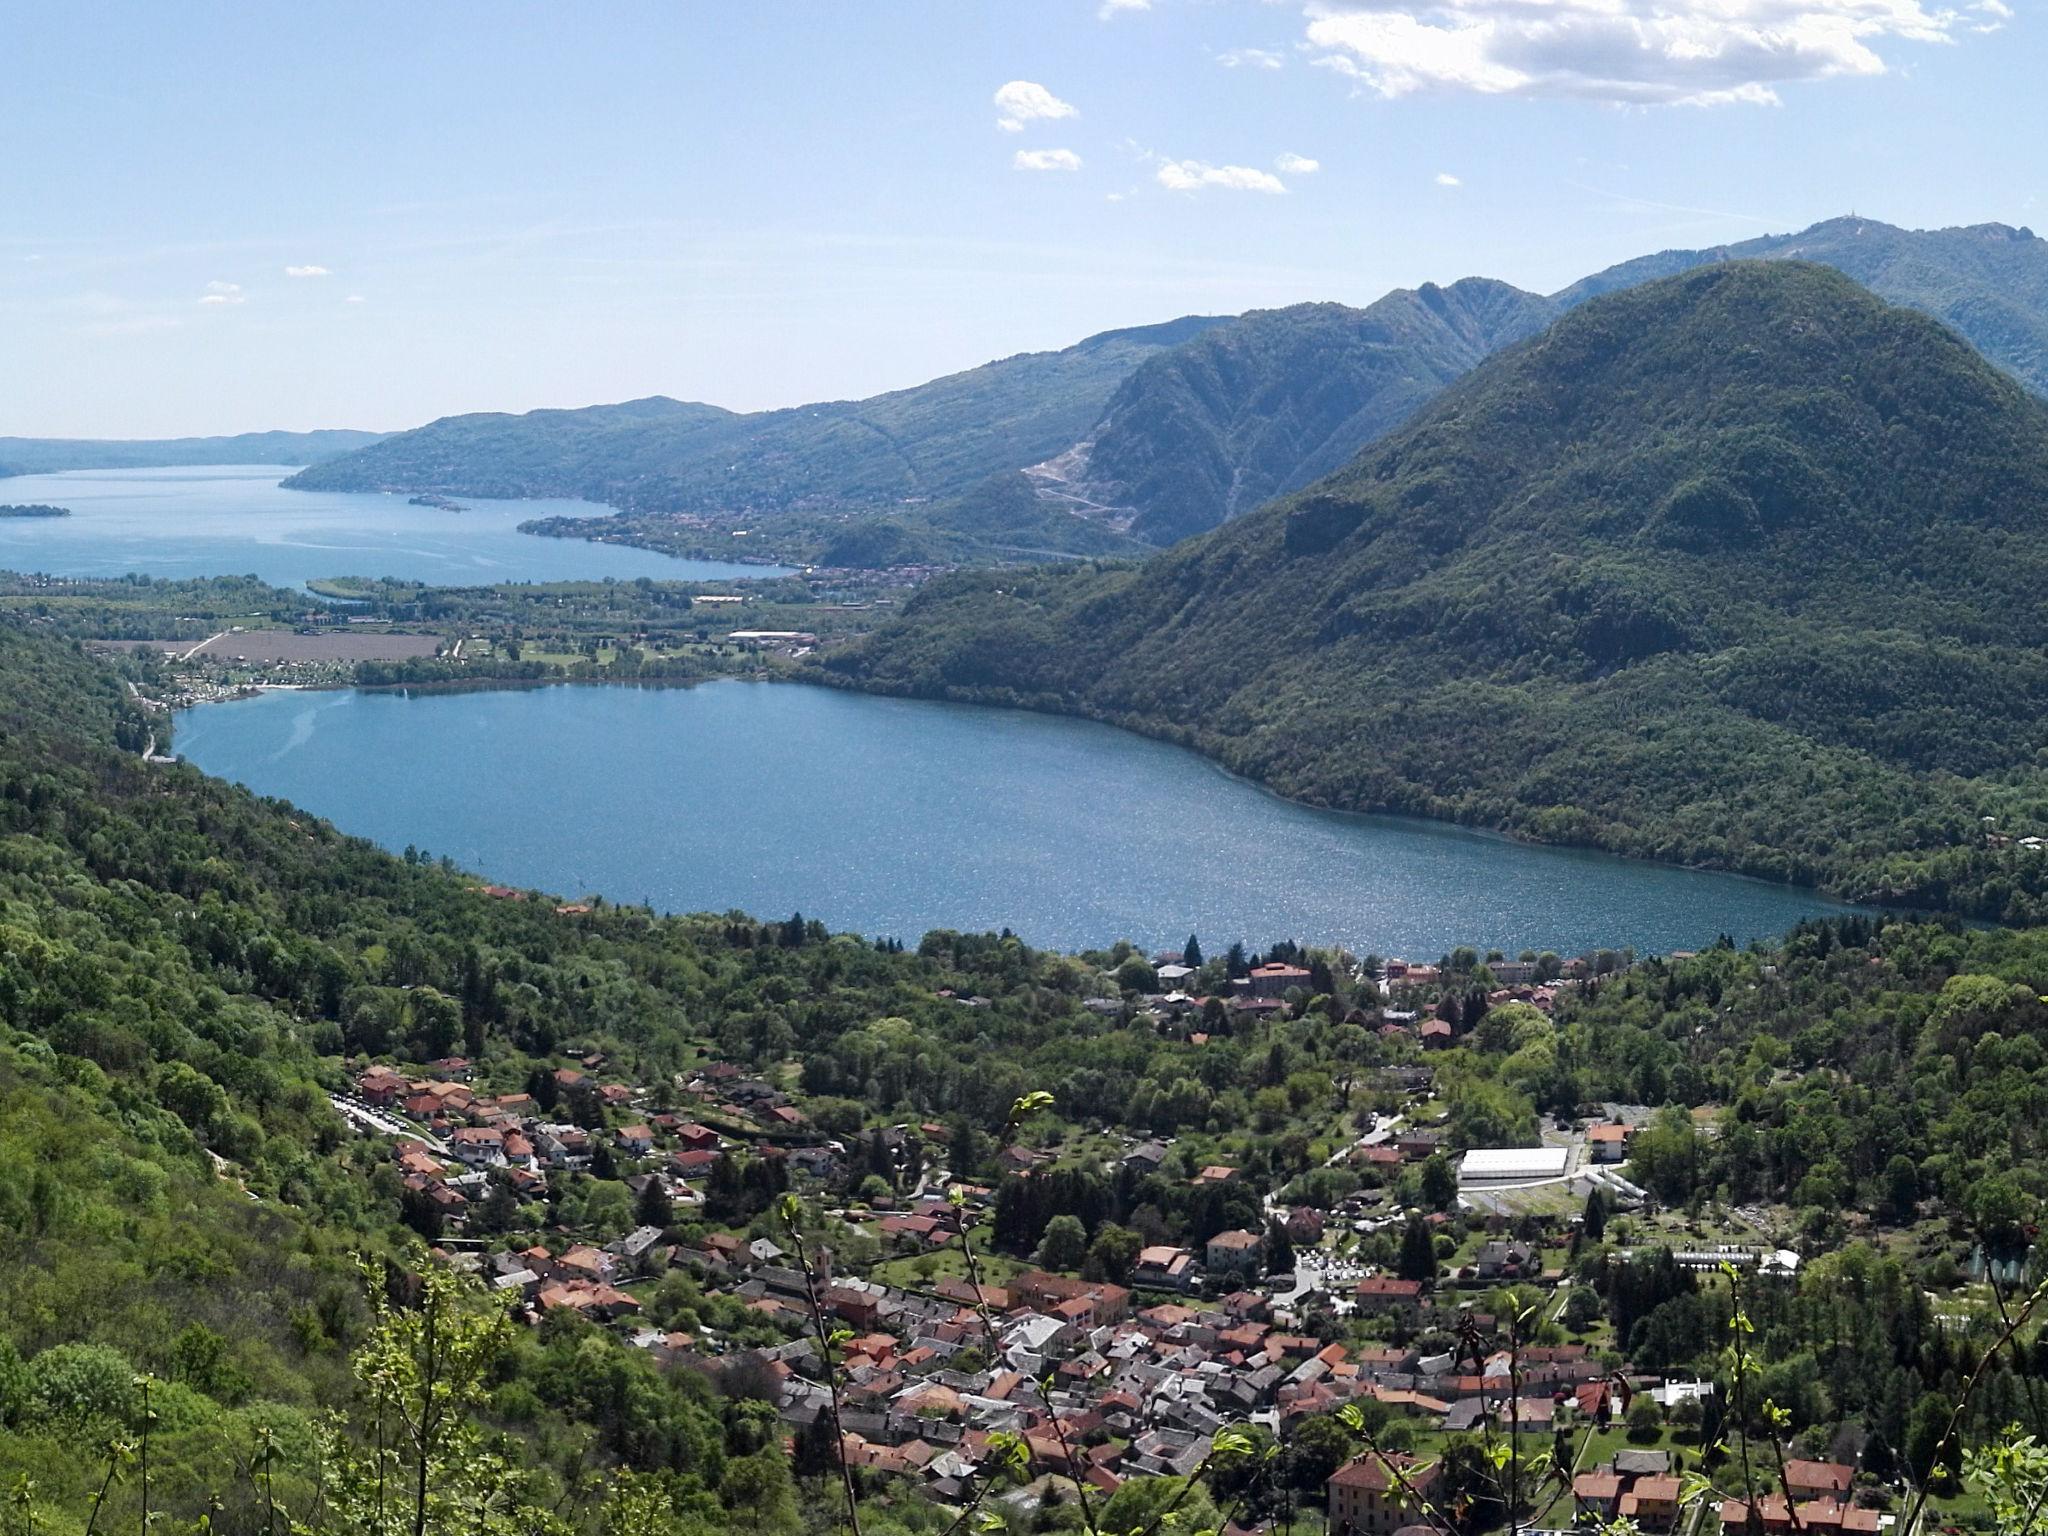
x=1281, y=397
x=1988, y=282
x=661, y=455
x=1740, y=567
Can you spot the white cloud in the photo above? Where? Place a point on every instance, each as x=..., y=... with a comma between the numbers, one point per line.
x=218, y=292
x=307, y=272
x=1250, y=58
x=1297, y=165
x=1026, y=101
x=354, y=298
x=1634, y=52
x=1112, y=8
x=1193, y=175
x=1446, y=179
x=1047, y=160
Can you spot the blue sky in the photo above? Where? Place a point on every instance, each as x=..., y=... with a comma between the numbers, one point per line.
x=220, y=217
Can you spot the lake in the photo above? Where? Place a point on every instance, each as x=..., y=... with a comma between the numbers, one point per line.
x=894, y=817
x=236, y=520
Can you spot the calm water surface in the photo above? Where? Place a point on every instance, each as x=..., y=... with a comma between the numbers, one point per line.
x=891, y=816
x=236, y=520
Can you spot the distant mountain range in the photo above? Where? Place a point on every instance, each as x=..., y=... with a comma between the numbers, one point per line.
x=48, y=455
x=912, y=445
x=1148, y=435
x=1740, y=567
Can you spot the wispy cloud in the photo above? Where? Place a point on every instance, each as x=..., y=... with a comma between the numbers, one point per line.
x=307, y=272
x=1046, y=160
x=218, y=292
x=1297, y=165
x=1026, y=101
x=1250, y=58
x=1114, y=8
x=1629, y=52
x=1446, y=179
x=355, y=298
x=1193, y=176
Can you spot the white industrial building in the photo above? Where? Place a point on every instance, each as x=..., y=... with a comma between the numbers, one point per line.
x=1507, y=1165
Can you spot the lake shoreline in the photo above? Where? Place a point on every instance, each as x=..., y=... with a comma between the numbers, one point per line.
x=1191, y=741
x=968, y=825
x=1164, y=735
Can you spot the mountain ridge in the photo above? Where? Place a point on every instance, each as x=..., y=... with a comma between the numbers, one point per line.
x=1216, y=415
x=933, y=439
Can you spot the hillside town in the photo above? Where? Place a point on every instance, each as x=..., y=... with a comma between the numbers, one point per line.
x=1113, y=1363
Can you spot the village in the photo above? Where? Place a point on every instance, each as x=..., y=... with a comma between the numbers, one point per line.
x=1103, y=1366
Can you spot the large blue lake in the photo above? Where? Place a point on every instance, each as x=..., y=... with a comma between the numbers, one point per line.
x=236, y=520
x=891, y=816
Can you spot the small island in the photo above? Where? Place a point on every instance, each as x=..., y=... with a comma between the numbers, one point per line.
x=431, y=499
x=34, y=510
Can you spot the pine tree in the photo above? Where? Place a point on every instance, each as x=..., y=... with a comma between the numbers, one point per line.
x=1418, y=1251
x=654, y=1208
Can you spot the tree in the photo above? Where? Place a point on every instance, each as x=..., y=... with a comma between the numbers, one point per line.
x=1418, y=1251
x=498, y=1211
x=1064, y=1245
x=1136, y=975
x=1593, y=1225
x=1581, y=1308
x=1439, y=1183
x=412, y=1457
x=1318, y=1446
x=1279, y=1249
x=1191, y=953
x=1645, y=1420
x=1112, y=1254
x=1135, y=1505
x=1928, y=1457
x=654, y=1208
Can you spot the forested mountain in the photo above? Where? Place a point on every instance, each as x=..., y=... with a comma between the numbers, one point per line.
x=1988, y=282
x=936, y=439
x=1739, y=567
x=46, y=455
x=1275, y=399
x=1151, y=434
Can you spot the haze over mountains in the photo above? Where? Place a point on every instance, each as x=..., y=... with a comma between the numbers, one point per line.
x=666, y=455
x=1739, y=567
x=1149, y=434
x=48, y=455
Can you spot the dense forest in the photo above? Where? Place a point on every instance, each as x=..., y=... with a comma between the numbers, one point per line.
x=1735, y=568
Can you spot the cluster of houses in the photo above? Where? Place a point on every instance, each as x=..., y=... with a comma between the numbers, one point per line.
x=1264, y=991
x=1101, y=1387
x=464, y=1139
x=1102, y=1382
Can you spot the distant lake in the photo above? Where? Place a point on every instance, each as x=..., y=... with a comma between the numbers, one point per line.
x=236, y=520
x=894, y=817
